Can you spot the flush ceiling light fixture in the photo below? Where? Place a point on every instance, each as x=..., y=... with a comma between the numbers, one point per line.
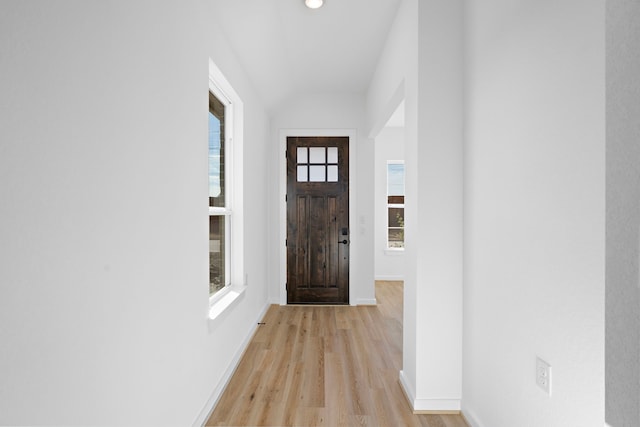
x=313, y=4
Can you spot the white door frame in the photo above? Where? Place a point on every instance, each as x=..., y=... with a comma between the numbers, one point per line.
x=353, y=238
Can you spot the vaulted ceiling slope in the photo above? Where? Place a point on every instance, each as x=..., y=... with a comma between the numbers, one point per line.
x=289, y=50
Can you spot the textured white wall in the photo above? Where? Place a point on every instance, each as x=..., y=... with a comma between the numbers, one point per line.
x=389, y=146
x=623, y=214
x=103, y=266
x=534, y=212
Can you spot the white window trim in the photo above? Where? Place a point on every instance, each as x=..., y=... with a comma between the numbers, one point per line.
x=394, y=251
x=234, y=261
x=389, y=250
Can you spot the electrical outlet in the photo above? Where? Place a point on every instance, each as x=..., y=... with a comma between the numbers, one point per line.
x=543, y=375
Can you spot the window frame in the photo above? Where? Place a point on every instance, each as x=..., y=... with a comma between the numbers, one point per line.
x=394, y=206
x=235, y=279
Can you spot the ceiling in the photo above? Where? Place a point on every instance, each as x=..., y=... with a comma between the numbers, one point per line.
x=289, y=50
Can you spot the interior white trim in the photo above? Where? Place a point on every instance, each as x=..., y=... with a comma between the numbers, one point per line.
x=366, y=301
x=393, y=252
x=435, y=405
x=470, y=418
x=407, y=388
x=390, y=278
x=234, y=146
x=219, y=302
x=282, y=178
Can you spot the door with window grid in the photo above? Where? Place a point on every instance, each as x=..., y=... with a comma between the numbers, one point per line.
x=318, y=220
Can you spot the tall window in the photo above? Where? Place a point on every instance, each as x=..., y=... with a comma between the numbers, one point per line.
x=227, y=279
x=219, y=208
x=395, y=205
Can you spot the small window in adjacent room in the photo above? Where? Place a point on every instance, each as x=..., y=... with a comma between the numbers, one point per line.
x=395, y=205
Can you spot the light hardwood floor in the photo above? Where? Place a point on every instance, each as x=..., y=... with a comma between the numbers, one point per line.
x=325, y=366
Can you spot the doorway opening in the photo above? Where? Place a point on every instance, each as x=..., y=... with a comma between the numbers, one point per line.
x=389, y=199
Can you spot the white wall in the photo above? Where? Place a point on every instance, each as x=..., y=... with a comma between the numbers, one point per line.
x=534, y=215
x=623, y=214
x=103, y=266
x=426, y=33
x=389, y=265
x=534, y=212
x=395, y=79
x=326, y=112
x=437, y=161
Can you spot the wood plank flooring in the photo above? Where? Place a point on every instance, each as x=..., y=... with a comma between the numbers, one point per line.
x=325, y=366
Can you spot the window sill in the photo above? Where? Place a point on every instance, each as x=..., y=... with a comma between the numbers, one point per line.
x=394, y=251
x=221, y=301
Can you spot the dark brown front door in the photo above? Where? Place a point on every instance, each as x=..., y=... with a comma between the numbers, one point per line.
x=318, y=220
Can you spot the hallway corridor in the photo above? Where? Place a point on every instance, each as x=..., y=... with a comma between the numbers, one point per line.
x=325, y=365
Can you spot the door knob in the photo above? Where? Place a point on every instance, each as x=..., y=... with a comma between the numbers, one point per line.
x=344, y=242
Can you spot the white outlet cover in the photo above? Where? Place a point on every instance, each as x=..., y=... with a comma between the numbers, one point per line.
x=543, y=375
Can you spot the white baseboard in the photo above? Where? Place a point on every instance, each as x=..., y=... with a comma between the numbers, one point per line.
x=390, y=278
x=366, y=301
x=274, y=301
x=208, y=408
x=428, y=406
x=409, y=393
x=470, y=418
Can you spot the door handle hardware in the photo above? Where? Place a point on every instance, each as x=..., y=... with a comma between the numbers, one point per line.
x=344, y=242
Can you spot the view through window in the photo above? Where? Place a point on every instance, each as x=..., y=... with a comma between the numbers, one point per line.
x=395, y=205
x=218, y=207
